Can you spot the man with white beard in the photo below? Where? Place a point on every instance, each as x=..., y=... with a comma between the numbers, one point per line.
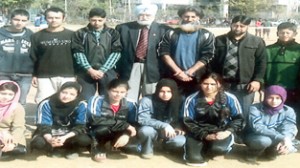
x=187, y=50
x=139, y=62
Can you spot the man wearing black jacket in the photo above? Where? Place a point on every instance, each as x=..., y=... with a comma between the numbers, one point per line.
x=187, y=50
x=241, y=60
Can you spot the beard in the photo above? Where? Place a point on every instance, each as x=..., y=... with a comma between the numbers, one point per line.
x=238, y=33
x=145, y=22
x=190, y=27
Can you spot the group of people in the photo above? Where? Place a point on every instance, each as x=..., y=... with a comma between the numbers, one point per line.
x=183, y=87
x=263, y=28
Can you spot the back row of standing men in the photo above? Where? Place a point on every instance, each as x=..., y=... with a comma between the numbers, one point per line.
x=143, y=52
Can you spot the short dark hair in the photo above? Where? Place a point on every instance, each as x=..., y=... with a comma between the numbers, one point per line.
x=21, y=12
x=9, y=86
x=116, y=83
x=186, y=9
x=55, y=9
x=287, y=25
x=213, y=75
x=97, y=12
x=245, y=20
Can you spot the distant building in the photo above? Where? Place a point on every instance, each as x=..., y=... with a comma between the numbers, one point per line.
x=281, y=8
x=161, y=2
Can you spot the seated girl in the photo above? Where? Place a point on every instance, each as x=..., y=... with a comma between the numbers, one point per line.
x=61, y=123
x=12, y=120
x=211, y=117
x=111, y=118
x=158, y=114
x=271, y=126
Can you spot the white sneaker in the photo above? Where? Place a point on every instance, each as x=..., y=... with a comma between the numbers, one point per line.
x=197, y=164
x=147, y=156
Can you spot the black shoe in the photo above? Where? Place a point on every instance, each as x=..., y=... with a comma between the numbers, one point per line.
x=19, y=150
x=270, y=154
x=251, y=159
x=270, y=157
x=56, y=153
x=131, y=149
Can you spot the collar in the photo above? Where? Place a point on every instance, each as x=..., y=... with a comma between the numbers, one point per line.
x=291, y=42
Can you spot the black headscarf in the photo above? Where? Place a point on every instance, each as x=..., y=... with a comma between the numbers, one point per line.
x=61, y=110
x=166, y=111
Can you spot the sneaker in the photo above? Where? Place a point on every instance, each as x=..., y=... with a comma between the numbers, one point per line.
x=147, y=156
x=19, y=150
x=131, y=149
x=270, y=157
x=202, y=164
x=56, y=153
x=251, y=159
x=270, y=154
x=72, y=156
x=99, y=157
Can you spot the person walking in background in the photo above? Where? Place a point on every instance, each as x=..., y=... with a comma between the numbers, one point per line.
x=111, y=117
x=15, y=63
x=140, y=40
x=258, y=28
x=266, y=28
x=61, y=123
x=240, y=58
x=212, y=117
x=271, y=126
x=37, y=21
x=187, y=50
x=12, y=120
x=52, y=55
x=96, y=49
x=283, y=64
x=159, y=118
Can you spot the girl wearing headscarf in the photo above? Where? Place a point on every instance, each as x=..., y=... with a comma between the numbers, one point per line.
x=12, y=119
x=212, y=117
x=271, y=126
x=61, y=122
x=158, y=114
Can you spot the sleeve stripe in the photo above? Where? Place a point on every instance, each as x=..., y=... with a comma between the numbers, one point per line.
x=111, y=61
x=81, y=60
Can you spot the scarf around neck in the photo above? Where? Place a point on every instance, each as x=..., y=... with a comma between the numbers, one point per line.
x=274, y=90
x=166, y=111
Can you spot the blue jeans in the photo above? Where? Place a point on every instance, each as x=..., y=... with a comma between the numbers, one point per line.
x=245, y=99
x=257, y=144
x=24, y=83
x=147, y=135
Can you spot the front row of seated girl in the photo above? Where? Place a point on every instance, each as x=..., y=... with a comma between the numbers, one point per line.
x=205, y=126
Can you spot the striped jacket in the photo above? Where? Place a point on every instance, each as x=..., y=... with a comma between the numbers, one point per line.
x=201, y=119
x=100, y=114
x=74, y=121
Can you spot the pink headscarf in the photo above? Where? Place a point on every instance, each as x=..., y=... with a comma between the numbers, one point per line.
x=7, y=108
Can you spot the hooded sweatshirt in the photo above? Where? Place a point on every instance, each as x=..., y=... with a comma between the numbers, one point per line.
x=14, y=52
